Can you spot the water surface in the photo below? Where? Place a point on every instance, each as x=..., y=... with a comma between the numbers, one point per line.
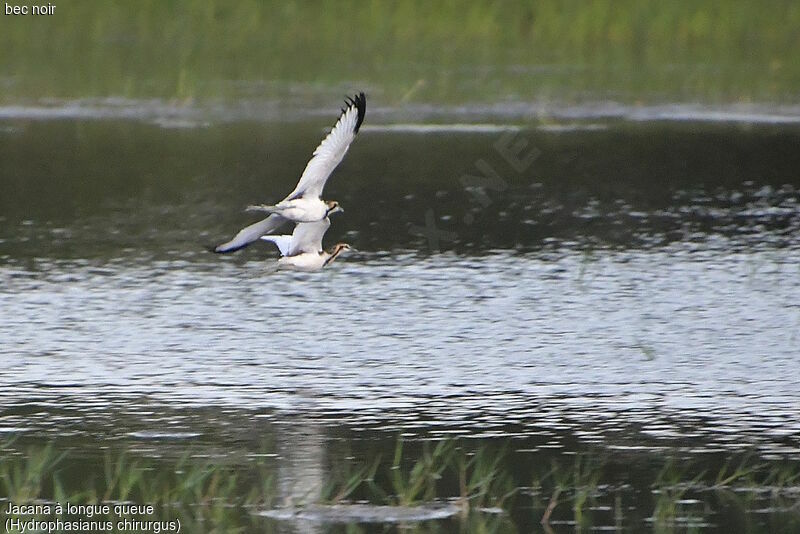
x=633, y=286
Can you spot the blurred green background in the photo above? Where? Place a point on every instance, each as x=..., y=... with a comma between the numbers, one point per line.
x=712, y=51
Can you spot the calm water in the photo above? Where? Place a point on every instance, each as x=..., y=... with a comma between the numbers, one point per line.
x=621, y=285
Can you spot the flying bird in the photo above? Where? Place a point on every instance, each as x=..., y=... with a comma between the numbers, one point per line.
x=302, y=251
x=305, y=204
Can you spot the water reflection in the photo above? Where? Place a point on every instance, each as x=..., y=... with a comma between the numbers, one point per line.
x=301, y=471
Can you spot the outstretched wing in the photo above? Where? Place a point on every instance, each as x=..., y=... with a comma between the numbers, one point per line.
x=251, y=233
x=282, y=241
x=331, y=150
x=307, y=237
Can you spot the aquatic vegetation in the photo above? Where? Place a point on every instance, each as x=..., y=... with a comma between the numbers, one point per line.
x=23, y=479
x=670, y=487
x=419, y=483
x=121, y=476
x=483, y=481
x=200, y=492
x=479, y=476
x=343, y=482
x=480, y=485
x=680, y=50
x=574, y=482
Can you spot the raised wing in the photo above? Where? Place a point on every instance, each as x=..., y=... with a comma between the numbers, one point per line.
x=251, y=233
x=282, y=241
x=331, y=150
x=307, y=237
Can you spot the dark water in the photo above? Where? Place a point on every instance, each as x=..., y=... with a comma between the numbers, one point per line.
x=587, y=283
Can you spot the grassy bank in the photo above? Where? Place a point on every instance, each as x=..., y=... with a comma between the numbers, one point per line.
x=712, y=50
x=514, y=488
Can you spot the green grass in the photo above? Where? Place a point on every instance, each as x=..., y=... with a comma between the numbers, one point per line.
x=712, y=50
x=589, y=489
x=574, y=483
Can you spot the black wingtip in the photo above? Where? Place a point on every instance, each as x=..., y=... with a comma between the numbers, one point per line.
x=216, y=249
x=360, y=103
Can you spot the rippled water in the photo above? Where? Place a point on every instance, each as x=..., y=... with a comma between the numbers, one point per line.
x=515, y=339
x=632, y=286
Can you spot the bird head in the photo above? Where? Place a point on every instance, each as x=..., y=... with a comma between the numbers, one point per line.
x=334, y=207
x=337, y=249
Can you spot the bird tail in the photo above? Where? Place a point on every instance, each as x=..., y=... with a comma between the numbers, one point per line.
x=262, y=208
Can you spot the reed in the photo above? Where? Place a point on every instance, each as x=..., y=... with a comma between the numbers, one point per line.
x=480, y=477
x=406, y=51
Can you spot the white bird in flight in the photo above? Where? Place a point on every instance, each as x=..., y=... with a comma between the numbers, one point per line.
x=302, y=251
x=304, y=204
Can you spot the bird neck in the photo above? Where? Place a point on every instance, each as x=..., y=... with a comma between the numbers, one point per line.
x=332, y=254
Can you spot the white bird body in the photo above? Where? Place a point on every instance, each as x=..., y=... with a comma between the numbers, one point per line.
x=305, y=204
x=302, y=251
x=308, y=262
x=312, y=261
x=299, y=210
x=306, y=238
